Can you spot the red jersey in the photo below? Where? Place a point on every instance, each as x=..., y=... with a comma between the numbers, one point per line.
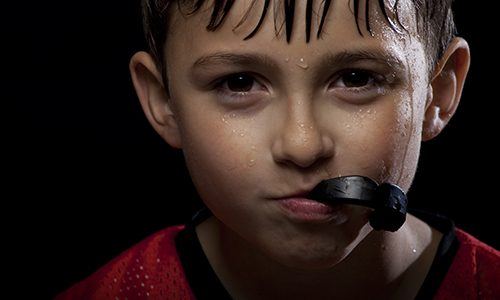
x=153, y=270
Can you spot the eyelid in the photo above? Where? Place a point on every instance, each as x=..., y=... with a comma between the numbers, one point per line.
x=219, y=82
x=377, y=78
x=238, y=98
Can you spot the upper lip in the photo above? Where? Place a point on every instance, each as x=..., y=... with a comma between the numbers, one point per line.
x=300, y=193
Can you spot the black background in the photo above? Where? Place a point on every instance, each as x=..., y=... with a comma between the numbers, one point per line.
x=87, y=177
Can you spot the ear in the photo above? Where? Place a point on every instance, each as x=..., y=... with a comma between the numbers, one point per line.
x=154, y=99
x=445, y=88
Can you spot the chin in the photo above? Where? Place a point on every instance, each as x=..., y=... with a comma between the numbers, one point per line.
x=311, y=259
x=320, y=252
x=315, y=255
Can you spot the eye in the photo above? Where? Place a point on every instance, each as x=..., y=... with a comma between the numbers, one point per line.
x=355, y=79
x=359, y=85
x=237, y=83
x=239, y=88
x=240, y=83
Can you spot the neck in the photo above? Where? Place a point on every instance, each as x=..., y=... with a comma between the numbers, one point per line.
x=389, y=265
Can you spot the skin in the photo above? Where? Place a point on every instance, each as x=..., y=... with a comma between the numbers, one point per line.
x=296, y=125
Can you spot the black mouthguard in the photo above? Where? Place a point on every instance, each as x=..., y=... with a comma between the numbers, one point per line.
x=388, y=200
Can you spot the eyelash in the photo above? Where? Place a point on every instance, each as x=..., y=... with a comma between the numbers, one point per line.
x=376, y=81
x=234, y=96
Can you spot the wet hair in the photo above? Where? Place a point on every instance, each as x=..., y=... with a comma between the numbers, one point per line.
x=434, y=19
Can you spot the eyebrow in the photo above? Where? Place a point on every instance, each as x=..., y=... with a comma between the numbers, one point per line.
x=349, y=57
x=342, y=58
x=230, y=58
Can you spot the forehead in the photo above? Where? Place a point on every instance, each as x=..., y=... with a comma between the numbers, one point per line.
x=187, y=34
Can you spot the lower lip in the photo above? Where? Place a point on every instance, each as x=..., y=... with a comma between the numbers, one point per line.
x=303, y=209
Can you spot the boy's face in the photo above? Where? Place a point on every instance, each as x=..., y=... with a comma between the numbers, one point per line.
x=342, y=105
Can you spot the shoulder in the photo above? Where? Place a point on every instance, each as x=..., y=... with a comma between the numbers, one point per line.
x=475, y=271
x=150, y=269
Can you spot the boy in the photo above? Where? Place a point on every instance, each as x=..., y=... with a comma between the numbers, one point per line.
x=345, y=88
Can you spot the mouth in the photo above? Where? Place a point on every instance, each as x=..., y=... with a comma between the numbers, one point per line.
x=388, y=201
x=299, y=207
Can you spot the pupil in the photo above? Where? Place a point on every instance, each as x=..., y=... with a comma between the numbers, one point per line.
x=356, y=79
x=240, y=83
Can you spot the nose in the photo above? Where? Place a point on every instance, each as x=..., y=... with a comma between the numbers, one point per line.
x=300, y=139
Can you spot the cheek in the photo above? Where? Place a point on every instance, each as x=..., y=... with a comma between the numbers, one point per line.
x=412, y=118
x=383, y=141
x=403, y=148
x=220, y=155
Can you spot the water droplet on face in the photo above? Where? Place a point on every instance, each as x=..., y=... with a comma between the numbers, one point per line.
x=230, y=168
x=251, y=163
x=348, y=128
x=287, y=59
x=302, y=64
x=414, y=250
x=253, y=147
x=242, y=134
x=233, y=115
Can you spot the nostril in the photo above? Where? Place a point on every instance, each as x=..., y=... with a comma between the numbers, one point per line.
x=306, y=157
x=301, y=142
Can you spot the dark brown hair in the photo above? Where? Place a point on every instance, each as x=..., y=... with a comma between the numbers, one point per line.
x=434, y=18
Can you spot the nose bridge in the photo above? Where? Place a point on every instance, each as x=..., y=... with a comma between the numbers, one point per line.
x=300, y=120
x=300, y=140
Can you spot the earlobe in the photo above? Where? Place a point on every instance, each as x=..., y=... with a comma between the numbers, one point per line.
x=445, y=88
x=154, y=100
